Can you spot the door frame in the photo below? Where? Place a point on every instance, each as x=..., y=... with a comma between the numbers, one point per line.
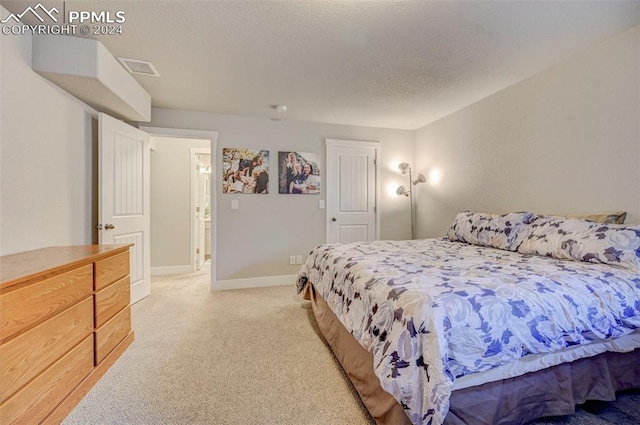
x=338, y=143
x=194, y=152
x=183, y=133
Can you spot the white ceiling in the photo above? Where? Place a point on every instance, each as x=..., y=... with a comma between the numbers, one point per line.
x=372, y=63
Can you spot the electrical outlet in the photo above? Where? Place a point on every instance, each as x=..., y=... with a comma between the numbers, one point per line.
x=292, y=259
x=298, y=259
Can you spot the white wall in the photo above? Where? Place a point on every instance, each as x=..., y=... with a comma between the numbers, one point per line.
x=171, y=200
x=257, y=239
x=564, y=141
x=46, y=157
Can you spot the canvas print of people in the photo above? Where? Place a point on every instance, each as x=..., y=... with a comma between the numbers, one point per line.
x=298, y=173
x=245, y=171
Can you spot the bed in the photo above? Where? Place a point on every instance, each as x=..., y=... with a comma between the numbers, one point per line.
x=508, y=318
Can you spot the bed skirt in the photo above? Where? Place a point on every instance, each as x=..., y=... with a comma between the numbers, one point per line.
x=549, y=392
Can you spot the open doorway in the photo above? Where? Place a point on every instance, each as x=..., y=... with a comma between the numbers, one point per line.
x=183, y=205
x=201, y=169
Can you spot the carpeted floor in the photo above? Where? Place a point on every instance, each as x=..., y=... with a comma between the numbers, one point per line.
x=243, y=357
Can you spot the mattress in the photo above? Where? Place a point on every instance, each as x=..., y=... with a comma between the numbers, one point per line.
x=535, y=362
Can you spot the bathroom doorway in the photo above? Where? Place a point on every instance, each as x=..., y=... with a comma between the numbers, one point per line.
x=173, y=219
x=201, y=205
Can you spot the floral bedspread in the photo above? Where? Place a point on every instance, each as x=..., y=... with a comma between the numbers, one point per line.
x=432, y=310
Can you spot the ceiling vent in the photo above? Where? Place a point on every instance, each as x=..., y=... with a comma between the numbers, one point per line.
x=137, y=66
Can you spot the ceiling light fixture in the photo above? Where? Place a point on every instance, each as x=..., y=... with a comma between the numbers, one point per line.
x=280, y=108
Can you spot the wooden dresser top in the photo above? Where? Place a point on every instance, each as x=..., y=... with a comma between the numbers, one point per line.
x=40, y=264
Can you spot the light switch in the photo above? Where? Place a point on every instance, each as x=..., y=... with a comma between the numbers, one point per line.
x=321, y=204
x=234, y=204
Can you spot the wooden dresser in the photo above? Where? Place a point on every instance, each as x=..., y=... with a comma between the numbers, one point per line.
x=64, y=320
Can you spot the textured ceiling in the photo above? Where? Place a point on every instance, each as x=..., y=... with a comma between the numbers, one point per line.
x=373, y=63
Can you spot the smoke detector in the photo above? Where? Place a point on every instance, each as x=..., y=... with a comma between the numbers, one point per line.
x=140, y=67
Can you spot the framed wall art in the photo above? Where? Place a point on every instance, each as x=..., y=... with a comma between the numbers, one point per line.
x=298, y=173
x=245, y=171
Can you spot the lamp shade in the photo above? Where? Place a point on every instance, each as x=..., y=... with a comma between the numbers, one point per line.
x=402, y=191
x=420, y=179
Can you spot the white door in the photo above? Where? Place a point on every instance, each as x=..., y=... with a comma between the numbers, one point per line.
x=200, y=176
x=352, y=191
x=123, y=200
x=200, y=210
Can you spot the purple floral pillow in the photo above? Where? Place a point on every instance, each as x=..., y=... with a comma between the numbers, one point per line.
x=580, y=240
x=493, y=230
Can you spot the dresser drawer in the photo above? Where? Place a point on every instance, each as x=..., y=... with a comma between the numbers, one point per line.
x=111, y=300
x=28, y=354
x=33, y=403
x=22, y=308
x=111, y=269
x=109, y=335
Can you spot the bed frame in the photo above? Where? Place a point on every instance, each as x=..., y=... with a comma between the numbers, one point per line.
x=549, y=392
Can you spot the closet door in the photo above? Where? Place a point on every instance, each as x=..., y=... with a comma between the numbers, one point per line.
x=352, y=191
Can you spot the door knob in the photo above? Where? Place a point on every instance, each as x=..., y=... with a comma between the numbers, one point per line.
x=334, y=219
x=109, y=226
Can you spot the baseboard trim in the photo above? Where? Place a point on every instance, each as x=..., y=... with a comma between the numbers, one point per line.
x=157, y=271
x=254, y=282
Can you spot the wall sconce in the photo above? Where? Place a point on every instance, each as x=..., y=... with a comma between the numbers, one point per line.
x=402, y=190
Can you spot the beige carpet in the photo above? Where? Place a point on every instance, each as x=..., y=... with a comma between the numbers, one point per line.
x=230, y=357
